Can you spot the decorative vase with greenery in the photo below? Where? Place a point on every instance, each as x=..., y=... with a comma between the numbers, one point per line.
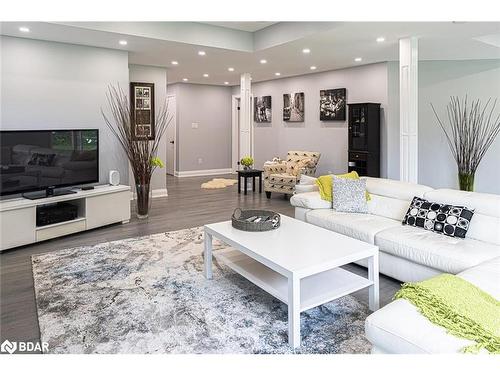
x=247, y=162
x=141, y=152
x=471, y=131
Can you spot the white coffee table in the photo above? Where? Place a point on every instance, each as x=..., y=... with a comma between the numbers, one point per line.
x=298, y=263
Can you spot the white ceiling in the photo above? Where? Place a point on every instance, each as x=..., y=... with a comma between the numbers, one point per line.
x=333, y=45
x=243, y=26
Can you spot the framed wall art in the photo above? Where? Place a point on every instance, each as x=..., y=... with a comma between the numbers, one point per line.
x=142, y=109
x=332, y=105
x=293, y=107
x=262, y=109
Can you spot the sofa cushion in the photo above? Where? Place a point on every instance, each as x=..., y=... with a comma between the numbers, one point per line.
x=485, y=225
x=395, y=189
x=360, y=226
x=388, y=207
x=443, y=253
x=400, y=328
x=391, y=198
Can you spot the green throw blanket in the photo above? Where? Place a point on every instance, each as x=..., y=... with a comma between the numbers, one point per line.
x=460, y=307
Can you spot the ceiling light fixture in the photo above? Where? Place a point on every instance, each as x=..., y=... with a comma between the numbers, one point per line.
x=175, y=62
x=263, y=61
x=358, y=59
x=205, y=75
x=24, y=29
x=380, y=39
x=201, y=53
x=306, y=50
x=230, y=69
x=123, y=42
x=277, y=74
x=185, y=79
x=226, y=83
x=312, y=67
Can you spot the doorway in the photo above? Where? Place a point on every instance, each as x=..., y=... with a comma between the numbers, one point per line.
x=170, y=135
x=237, y=134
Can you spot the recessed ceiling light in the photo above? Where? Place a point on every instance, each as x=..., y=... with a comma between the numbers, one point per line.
x=358, y=59
x=24, y=29
x=185, y=79
x=380, y=39
x=312, y=67
x=205, y=75
x=306, y=50
x=123, y=42
x=175, y=62
x=201, y=53
x=277, y=74
x=263, y=61
x=230, y=69
x=226, y=83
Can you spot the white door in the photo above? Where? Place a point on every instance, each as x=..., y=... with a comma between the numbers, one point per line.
x=170, y=135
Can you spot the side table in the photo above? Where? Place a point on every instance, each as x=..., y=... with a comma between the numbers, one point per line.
x=245, y=174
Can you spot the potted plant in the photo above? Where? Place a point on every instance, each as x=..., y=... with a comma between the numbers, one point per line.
x=471, y=131
x=141, y=152
x=247, y=162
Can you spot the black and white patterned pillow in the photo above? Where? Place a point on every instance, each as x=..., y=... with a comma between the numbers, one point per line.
x=440, y=218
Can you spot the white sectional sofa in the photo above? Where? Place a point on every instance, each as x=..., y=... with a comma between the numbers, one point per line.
x=412, y=254
x=409, y=253
x=399, y=328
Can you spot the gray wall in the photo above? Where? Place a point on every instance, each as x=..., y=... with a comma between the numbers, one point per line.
x=438, y=80
x=158, y=76
x=366, y=83
x=210, y=107
x=47, y=85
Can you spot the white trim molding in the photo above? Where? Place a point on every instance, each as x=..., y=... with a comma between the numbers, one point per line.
x=158, y=193
x=408, y=109
x=155, y=193
x=203, y=172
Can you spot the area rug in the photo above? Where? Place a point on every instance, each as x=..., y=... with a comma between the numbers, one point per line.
x=218, y=183
x=149, y=295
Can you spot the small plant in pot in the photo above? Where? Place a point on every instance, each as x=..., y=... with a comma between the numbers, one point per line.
x=141, y=152
x=247, y=162
x=471, y=131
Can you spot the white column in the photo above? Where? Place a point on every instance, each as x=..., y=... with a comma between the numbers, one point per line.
x=408, y=109
x=245, y=132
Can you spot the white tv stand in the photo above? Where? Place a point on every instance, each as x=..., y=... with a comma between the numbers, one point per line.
x=98, y=207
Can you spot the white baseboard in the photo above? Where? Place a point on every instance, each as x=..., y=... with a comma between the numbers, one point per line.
x=156, y=193
x=203, y=172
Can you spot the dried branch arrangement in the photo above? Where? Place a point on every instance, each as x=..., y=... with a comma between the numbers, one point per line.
x=470, y=132
x=140, y=152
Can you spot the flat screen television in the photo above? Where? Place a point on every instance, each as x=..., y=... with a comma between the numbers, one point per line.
x=34, y=160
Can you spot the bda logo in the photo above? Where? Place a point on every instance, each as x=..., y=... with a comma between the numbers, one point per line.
x=8, y=346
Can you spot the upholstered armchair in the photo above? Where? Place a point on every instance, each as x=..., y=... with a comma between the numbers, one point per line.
x=282, y=177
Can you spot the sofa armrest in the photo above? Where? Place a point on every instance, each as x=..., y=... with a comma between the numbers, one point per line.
x=274, y=168
x=311, y=200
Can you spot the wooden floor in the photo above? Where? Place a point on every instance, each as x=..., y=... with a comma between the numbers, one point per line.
x=186, y=206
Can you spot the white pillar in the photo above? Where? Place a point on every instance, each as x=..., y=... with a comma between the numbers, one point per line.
x=408, y=109
x=245, y=133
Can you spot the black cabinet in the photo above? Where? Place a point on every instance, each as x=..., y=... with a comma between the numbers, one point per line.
x=364, y=139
